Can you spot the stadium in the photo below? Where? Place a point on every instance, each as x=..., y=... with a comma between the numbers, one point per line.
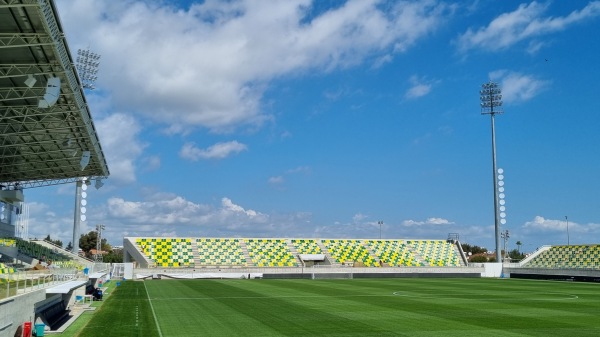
x=189, y=286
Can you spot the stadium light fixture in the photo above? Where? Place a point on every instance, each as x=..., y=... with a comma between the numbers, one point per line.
x=85, y=159
x=491, y=104
x=87, y=67
x=380, y=223
x=30, y=81
x=99, y=183
x=52, y=93
x=79, y=210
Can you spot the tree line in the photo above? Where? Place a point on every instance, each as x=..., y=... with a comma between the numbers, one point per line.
x=480, y=254
x=89, y=241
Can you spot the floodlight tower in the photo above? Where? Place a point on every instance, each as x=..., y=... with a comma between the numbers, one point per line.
x=87, y=67
x=99, y=229
x=491, y=104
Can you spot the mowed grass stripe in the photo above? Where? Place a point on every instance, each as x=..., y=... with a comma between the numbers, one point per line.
x=368, y=307
x=474, y=302
x=419, y=312
x=126, y=312
x=370, y=301
x=431, y=309
x=256, y=310
x=198, y=316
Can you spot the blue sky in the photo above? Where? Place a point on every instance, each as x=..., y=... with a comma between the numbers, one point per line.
x=301, y=118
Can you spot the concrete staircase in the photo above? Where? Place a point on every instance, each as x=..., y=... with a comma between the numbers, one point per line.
x=294, y=251
x=196, y=253
x=246, y=254
x=328, y=256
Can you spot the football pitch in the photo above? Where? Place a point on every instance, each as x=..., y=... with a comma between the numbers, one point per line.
x=359, y=307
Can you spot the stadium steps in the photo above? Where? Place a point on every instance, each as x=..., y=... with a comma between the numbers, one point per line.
x=418, y=256
x=459, y=253
x=195, y=252
x=533, y=256
x=246, y=253
x=60, y=250
x=294, y=251
x=332, y=261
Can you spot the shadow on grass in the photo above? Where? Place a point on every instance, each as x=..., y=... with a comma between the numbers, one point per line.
x=126, y=312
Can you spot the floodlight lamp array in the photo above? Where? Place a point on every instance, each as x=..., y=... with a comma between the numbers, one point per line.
x=501, y=197
x=87, y=67
x=491, y=98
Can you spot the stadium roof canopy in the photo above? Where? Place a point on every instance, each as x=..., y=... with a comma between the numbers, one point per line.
x=42, y=139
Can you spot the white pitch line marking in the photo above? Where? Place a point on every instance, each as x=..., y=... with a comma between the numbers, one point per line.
x=557, y=297
x=153, y=313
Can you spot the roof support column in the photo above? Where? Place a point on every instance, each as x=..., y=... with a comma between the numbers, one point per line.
x=77, y=216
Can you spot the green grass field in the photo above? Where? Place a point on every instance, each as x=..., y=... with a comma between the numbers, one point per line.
x=359, y=307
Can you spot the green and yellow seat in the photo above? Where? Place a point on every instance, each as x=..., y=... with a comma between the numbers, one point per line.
x=270, y=253
x=168, y=252
x=220, y=252
x=344, y=250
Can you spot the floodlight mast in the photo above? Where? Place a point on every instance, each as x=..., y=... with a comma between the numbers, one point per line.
x=87, y=64
x=87, y=68
x=99, y=252
x=491, y=104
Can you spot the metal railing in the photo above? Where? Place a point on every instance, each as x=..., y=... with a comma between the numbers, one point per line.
x=13, y=284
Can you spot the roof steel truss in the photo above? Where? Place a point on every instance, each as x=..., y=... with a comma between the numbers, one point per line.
x=41, y=146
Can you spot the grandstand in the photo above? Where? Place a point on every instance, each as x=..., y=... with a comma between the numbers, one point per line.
x=565, y=262
x=293, y=253
x=567, y=257
x=310, y=257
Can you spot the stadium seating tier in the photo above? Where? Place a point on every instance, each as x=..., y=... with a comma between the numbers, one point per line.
x=273, y=252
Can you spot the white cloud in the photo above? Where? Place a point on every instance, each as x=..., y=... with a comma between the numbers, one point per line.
x=358, y=217
x=44, y=220
x=419, y=87
x=299, y=170
x=209, y=65
x=418, y=90
x=539, y=223
x=526, y=22
x=121, y=146
x=517, y=87
x=160, y=212
x=276, y=180
x=166, y=213
x=429, y=221
x=438, y=221
x=280, y=179
x=229, y=206
x=151, y=163
x=216, y=151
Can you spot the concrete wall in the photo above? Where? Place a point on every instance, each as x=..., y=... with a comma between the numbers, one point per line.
x=17, y=310
x=588, y=275
x=132, y=254
x=299, y=272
